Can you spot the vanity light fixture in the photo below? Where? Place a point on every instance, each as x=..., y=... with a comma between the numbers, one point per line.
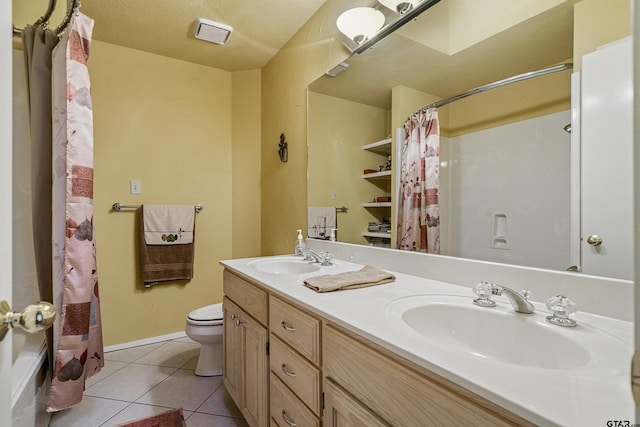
x=360, y=23
x=211, y=31
x=399, y=6
x=365, y=26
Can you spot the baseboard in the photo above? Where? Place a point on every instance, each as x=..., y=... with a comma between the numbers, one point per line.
x=145, y=341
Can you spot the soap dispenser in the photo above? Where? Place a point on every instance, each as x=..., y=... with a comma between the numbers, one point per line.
x=300, y=244
x=332, y=236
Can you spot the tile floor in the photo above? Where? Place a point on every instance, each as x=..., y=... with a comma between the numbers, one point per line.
x=142, y=381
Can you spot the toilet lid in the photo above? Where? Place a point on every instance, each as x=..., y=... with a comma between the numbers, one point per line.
x=209, y=313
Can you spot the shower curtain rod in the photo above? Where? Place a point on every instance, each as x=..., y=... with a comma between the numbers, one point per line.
x=515, y=79
x=44, y=19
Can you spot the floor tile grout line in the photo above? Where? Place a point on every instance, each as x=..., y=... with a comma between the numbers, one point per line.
x=208, y=397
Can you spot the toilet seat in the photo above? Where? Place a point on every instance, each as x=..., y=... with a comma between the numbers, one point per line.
x=210, y=315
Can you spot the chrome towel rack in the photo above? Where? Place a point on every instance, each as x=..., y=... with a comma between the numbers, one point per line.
x=119, y=207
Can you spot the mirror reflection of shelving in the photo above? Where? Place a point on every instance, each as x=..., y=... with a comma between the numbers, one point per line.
x=378, y=232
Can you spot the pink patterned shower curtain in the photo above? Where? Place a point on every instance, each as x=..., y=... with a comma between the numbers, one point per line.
x=418, y=209
x=78, y=348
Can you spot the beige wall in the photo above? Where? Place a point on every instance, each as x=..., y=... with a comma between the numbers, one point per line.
x=598, y=22
x=317, y=47
x=191, y=134
x=246, y=164
x=337, y=131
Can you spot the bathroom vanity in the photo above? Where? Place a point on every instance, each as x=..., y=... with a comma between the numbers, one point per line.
x=297, y=357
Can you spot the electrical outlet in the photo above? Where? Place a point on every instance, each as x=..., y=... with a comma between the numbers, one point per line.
x=334, y=195
x=136, y=187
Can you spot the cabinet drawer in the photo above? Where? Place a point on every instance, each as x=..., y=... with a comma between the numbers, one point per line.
x=302, y=377
x=287, y=410
x=250, y=298
x=295, y=327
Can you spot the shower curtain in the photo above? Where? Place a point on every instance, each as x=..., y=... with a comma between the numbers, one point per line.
x=63, y=205
x=418, y=209
x=37, y=45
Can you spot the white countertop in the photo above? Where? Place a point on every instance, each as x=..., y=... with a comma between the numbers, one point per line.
x=592, y=394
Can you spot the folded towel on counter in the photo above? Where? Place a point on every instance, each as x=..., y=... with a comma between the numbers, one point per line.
x=165, y=262
x=367, y=276
x=168, y=225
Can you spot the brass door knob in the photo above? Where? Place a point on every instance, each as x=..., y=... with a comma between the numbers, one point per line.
x=34, y=318
x=594, y=240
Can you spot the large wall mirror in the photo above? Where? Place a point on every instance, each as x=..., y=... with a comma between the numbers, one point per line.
x=505, y=155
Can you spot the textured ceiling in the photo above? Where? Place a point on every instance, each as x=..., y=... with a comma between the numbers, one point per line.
x=165, y=27
x=262, y=27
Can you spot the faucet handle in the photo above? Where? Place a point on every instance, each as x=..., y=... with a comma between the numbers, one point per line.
x=326, y=258
x=563, y=308
x=526, y=293
x=484, y=290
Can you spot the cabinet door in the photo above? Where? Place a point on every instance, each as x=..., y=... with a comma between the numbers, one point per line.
x=233, y=354
x=255, y=381
x=342, y=410
x=246, y=372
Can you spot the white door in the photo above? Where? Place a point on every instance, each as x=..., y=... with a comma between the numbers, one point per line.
x=607, y=145
x=5, y=203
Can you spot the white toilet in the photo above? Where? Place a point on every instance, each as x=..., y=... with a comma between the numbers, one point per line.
x=204, y=325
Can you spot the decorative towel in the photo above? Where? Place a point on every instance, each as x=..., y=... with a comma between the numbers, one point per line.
x=168, y=225
x=367, y=276
x=320, y=222
x=165, y=262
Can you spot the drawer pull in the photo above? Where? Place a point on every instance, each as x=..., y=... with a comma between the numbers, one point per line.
x=287, y=419
x=288, y=371
x=234, y=316
x=287, y=327
x=239, y=322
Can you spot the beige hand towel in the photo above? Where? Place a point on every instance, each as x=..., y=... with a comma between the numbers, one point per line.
x=168, y=225
x=161, y=263
x=367, y=276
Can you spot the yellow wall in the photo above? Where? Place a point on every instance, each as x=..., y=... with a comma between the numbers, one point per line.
x=598, y=22
x=317, y=47
x=337, y=131
x=167, y=123
x=510, y=104
x=246, y=164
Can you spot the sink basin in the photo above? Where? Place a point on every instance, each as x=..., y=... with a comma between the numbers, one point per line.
x=496, y=333
x=289, y=265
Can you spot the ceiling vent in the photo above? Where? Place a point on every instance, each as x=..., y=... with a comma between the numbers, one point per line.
x=211, y=31
x=338, y=69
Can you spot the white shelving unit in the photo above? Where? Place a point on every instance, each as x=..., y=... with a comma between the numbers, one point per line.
x=377, y=175
x=382, y=147
x=377, y=234
x=377, y=205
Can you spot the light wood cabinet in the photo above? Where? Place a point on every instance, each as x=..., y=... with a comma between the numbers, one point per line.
x=403, y=394
x=343, y=410
x=318, y=373
x=296, y=377
x=246, y=365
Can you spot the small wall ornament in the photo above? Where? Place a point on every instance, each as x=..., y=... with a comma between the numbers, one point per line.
x=283, y=149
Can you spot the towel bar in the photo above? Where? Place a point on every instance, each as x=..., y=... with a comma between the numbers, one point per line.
x=119, y=207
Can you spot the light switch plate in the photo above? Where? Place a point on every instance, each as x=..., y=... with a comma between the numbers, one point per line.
x=136, y=187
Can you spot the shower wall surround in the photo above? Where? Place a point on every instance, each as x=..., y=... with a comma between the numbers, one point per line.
x=521, y=171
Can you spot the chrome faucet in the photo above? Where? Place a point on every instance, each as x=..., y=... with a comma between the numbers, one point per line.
x=324, y=258
x=519, y=302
